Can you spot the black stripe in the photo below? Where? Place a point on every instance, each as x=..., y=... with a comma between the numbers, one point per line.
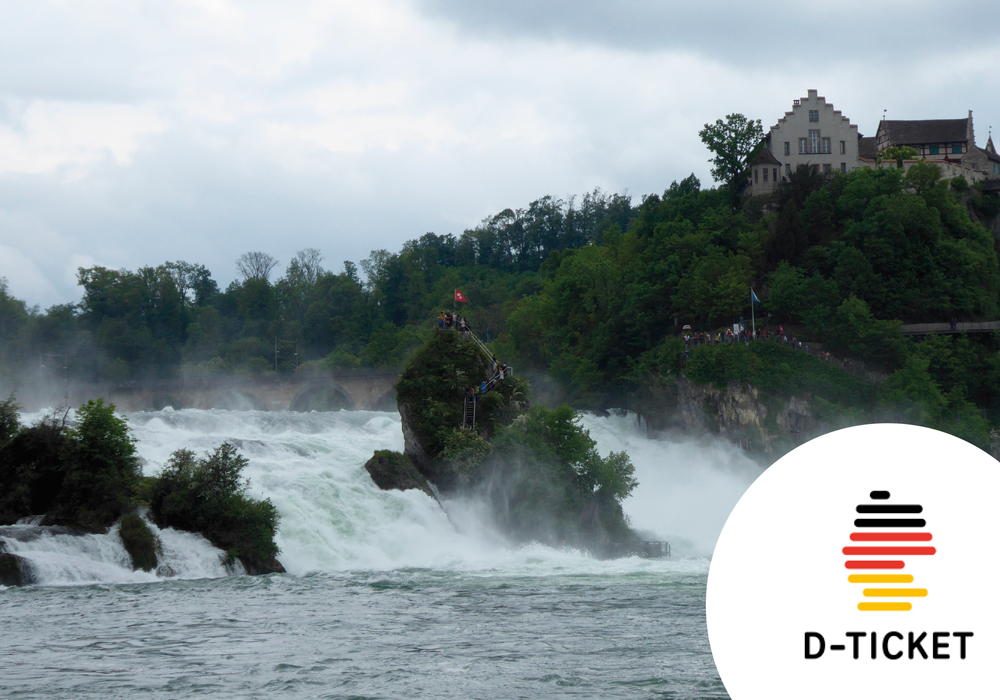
x=879, y=495
x=889, y=522
x=890, y=509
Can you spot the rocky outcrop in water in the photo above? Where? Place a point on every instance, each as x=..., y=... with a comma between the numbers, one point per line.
x=391, y=470
x=139, y=541
x=14, y=570
x=413, y=445
x=269, y=566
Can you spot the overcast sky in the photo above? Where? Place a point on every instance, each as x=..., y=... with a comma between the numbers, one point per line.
x=133, y=133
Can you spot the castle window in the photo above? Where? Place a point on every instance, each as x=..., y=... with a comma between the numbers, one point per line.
x=803, y=147
x=814, y=115
x=788, y=169
x=765, y=174
x=843, y=167
x=826, y=144
x=788, y=148
x=934, y=150
x=956, y=149
x=827, y=169
x=843, y=147
x=756, y=174
x=814, y=140
x=775, y=171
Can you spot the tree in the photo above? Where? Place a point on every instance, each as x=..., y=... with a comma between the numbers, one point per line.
x=898, y=154
x=305, y=267
x=195, y=279
x=733, y=142
x=256, y=265
x=103, y=470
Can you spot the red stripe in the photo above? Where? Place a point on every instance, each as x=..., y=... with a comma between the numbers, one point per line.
x=873, y=564
x=890, y=537
x=891, y=551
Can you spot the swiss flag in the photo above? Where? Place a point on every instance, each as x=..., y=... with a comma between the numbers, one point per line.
x=459, y=296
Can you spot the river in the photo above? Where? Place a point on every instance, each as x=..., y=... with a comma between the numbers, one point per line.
x=387, y=595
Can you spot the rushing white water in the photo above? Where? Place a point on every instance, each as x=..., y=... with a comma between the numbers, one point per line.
x=57, y=556
x=390, y=596
x=688, y=485
x=334, y=518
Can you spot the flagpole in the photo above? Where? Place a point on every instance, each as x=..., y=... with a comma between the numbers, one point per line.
x=753, y=321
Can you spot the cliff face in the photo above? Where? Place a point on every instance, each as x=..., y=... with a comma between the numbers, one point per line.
x=414, y=447
x=739, y=413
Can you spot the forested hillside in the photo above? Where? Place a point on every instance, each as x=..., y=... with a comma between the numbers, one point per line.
x=593, y=292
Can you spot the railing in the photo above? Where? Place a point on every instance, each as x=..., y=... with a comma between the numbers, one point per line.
x=965, y=327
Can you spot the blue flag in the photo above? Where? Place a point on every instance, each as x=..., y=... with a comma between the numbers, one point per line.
x=753, y=297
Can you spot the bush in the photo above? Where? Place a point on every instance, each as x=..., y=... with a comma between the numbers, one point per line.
x=32, y=470
x=102, y=470
x=208, y=495
x=139, y=541
x=10, y=423
x=778, y=371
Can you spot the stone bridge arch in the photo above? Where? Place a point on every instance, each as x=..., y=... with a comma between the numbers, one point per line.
x=386, y=402
x=322, y=395
x=236, y=400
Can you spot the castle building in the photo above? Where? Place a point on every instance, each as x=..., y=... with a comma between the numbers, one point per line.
x=813, y=133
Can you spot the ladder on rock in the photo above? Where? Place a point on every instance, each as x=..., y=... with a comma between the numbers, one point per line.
x=469, y=421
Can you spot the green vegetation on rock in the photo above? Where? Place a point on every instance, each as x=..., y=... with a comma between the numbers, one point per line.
x=87, y=476
x=139, y=541
x=208, y=495
x=537, y=467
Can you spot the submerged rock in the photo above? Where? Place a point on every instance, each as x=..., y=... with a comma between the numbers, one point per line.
x=14, y=571
x=391, y=470
x=271, y=566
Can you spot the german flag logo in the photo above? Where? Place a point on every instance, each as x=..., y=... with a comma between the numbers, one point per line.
x=883, y=543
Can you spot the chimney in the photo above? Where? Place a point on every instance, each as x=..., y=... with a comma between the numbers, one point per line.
x=970, y=134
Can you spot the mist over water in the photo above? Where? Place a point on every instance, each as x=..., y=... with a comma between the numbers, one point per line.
x=334, y=518
x=688, y=485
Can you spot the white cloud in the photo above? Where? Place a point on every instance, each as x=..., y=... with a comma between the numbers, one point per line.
x=133, y=133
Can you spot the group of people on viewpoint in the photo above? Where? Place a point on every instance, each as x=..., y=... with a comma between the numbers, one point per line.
x=450, y=320
x=745, y=336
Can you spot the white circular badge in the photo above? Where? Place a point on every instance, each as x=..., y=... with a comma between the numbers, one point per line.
x=861, y=565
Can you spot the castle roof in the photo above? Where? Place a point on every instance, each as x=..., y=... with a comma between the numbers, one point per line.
x=766, y=158
x=867, y=148
x=925, y=131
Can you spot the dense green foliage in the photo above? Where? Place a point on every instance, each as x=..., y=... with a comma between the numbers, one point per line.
x=551, y=481
x=594, y=292
x=102, y=469
x=779, y=370
x=538, y=466
x=88, y=476
x=434, y=383
x=173, y=320
x=10, y=422
x=208, y=495
x=84, y=476
x=139, y=541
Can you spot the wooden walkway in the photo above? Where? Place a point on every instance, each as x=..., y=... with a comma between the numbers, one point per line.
x=928, y=328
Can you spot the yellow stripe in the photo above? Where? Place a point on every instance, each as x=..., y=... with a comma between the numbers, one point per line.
x=884, y=606
x=895, y=592
x=880, y=578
